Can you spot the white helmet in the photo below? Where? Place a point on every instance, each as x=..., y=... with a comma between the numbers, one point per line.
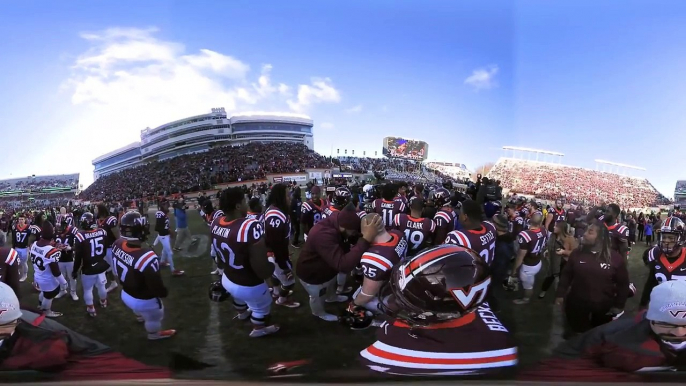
x=9, y=305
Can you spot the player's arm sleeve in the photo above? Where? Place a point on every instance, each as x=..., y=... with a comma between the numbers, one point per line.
x=452, y=239
x=54, y=266
x=153, y=278
x=257, y=253
x=622, y=281
x=441, y=230
x=329, y=248
x=566, y=277
x=78, y=259
x=112, y=223
x=651, y=282
x=12, y=275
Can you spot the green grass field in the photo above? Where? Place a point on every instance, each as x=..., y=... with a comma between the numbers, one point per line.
x=208, y=333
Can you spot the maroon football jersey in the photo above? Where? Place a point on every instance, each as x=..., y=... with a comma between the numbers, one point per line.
x=475, y=344
x=481, y=241
x=558, y=215
x=387, y=210
x=515, y=225
x=232, y=240
x=380, y=258
x=417, y=231
x=138, y=270
x=90, y=250
x=311, y=213
x=161, y=223
x=277, y=231
x=533, y=241
x=108, y=224
x=445, y=223
x=327, y=211
x=664, y=269
x=619, y=235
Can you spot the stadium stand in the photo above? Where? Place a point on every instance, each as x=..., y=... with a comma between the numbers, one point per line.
x=200, y=171
x=583, y=186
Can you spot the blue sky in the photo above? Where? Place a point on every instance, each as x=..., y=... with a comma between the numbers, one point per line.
x=591, y=81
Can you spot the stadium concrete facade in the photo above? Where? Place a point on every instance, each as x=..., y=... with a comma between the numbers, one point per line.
x=202, y=132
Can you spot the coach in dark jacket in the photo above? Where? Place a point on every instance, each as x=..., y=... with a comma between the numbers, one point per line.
x=327, y=252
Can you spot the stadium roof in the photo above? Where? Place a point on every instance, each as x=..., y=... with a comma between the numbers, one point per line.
x=532, y=150
x=74, y=176
x=600, y=161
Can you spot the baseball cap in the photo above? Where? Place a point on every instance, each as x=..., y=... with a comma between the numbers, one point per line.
x=9, y=305
x=668, y=303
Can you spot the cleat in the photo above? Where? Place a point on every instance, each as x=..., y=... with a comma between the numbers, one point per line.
x=103, y=303
x=52, y=314
x=165, y=264
x=337, y=299
x=61, y=294
x=328, y=317
x=243, y=315
x=74, y=296
x=287, y=303
x=178, y=272
x=345, y=290
x=91, y=311
x=164, y=334
x=113, y=285
x=258, y=332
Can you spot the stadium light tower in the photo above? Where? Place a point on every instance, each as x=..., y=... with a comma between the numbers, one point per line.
x=615, y=167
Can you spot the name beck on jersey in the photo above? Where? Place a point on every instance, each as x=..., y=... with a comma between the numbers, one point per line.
x=490, y=319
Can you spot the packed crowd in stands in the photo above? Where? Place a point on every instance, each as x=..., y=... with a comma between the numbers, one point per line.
x=583, y=186
x=391, y=168
x=39, y=182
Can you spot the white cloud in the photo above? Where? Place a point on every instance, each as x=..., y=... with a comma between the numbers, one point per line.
x=326, y=125
x=355, y=109
x=130, y=78
x=483, y=78
x=320, y=91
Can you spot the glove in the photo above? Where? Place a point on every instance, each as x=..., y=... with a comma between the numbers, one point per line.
x=305, y=237
x=356, y=317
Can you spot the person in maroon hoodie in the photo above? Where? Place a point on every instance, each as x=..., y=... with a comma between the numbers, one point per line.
x=326, y=253
x=594, y=284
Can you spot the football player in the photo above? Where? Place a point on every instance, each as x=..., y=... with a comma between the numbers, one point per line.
x=555, y=215
x=386, y=207
x=46, y=270
x=91, y=260
x=532, y=243
x=163, y=237
x=64, y=241
x=445, y=215
x=402, y=195
x=255, y=210
x=209, y=214
x=441, y=324
x=515, y=220
x=9, y=268
x=387, y=250
x=138, y=270
x=21, y=232
x=342, y=196
x=418, y=230
x=277, y=227
x=667, y=260
x=242, y=252
x=109, y=224
x=476, y=235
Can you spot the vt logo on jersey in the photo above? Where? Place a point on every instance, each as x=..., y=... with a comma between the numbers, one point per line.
x=474, y=294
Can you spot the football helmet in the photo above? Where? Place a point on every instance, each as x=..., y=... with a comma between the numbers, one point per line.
x=671, y=226
x=133, y=226
x=441, y=197
x=87, y=221
x=341, y=197
x=439, y=284
x=356, y=317
x=217, y=292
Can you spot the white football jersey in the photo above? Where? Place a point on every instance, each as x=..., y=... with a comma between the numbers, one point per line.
x=42, y=257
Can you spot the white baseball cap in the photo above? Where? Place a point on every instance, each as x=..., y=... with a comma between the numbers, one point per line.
x=9, y=305
x=668, y=303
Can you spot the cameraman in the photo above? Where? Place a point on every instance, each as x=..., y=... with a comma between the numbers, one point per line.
x=182, y=231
